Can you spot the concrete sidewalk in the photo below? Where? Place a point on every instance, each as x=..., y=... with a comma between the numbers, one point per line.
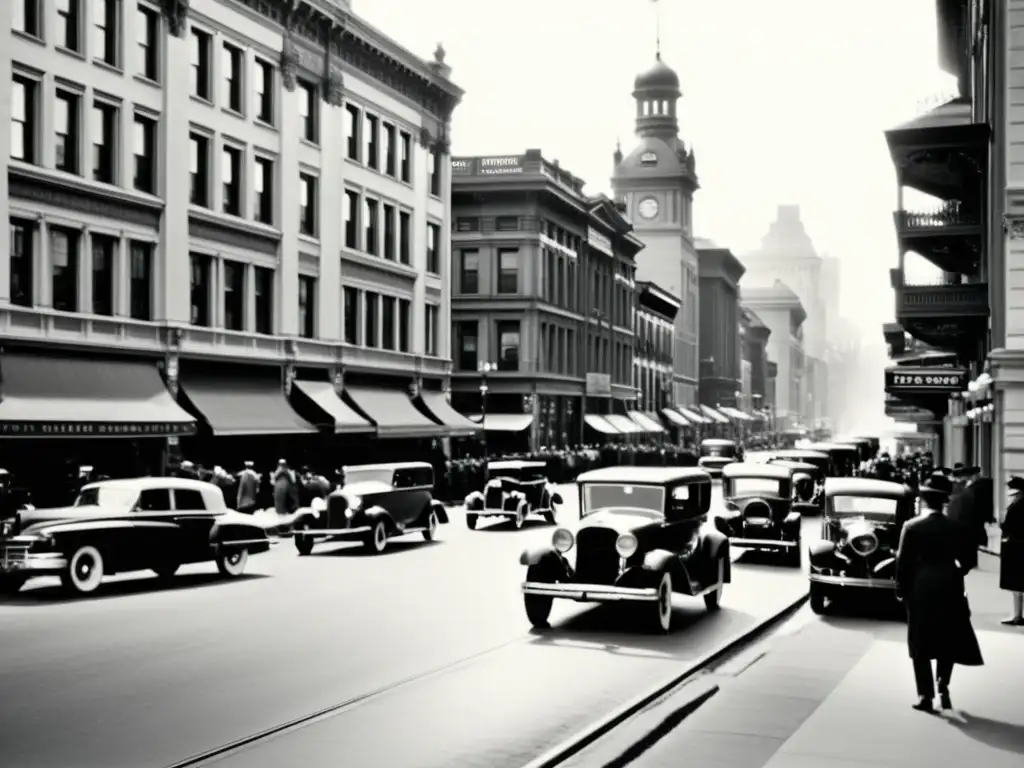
x=837, y=694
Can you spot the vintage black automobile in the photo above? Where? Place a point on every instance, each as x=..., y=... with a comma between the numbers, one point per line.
x=862, y=444
x=118, y=526
x=759, y=510
x=715, y=453
x=820, y=459
x=808, y=485
x=642, y=537
x=515, y=489
x=377, y=502
x=860, y=534
x=845, y=457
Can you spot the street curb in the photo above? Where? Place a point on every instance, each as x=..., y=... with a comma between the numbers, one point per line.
x=575, y=744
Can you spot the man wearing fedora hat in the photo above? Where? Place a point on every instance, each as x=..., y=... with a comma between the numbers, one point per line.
x=930, y=582
x=1011, y=552
x=972, y=506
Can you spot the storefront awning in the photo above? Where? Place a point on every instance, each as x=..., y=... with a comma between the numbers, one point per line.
x=504, y=422
x=237, y=405
x=674, y=416
x=624, y=424
x=67, y=397
x=713, y=415
x=646, y=423
x=393, y=413
x=693, y=416
x=600, y=424
x=735, y=413
x=346, y=420
x=457, y=424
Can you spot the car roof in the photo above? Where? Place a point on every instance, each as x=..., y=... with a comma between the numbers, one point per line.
x=743, y=469
x=644, y=475
x=798, y=465
x=833, y=446
x=391, y=466
x=861, y=486
x=804, y=453
x=147, y=483
x=717, y=441
x=516, y=464
x=855, y=440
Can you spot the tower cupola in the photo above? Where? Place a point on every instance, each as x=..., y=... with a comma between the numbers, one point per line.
x=657, y=94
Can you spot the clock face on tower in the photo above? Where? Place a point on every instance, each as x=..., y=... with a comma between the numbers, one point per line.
x=648, y=208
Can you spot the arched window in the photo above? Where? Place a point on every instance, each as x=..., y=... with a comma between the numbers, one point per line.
x=647, y=108
x=664, y=107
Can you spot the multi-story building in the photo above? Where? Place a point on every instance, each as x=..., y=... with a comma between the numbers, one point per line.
x=657, y=180
x=206, y=217
x=780, y=310
x=543, y=299
x=656, y=312
x=754, y=335
x=721, y=355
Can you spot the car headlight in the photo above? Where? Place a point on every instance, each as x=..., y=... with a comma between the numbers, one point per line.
x=8, y=527
x=355, y=502
x=626, y=545
x=562, y=540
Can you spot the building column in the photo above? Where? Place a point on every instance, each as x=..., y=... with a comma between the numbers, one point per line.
x=5, y=142
x=331, y=201
x=83, y=261
x=249, y=298
x=122, y=277
x=42, y=278
x=217, y=291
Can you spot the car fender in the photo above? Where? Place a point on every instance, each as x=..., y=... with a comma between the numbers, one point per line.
x=792, y=519
x=546, y=556
x=375, y=513
x=474, y=500
x=819, y=549
x=658, y=560
x=439, y=509
x=719, y=548
x=225, y=531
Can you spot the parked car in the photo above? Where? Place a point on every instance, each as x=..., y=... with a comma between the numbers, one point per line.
x=641, y=538
x=117, y=526
x=808, y=486
x=377, y=502
x=845, y=458
x=715, y=453
x=759, y=510
x=515, y=489
x=860, y=535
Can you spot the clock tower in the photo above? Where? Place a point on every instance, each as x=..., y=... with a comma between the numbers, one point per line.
x=656, y=182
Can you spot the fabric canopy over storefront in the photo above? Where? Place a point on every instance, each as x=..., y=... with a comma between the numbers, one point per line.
x=735, y=413
x=394, y=414
x=504, y=422
x=624, y=424
x=234, y=405
x=69, y=397
x=674, y=416
x=646, y=423
x=457, y=424
x=693, y=416
x=346, y=420
x=600, y=424
x=713, y=415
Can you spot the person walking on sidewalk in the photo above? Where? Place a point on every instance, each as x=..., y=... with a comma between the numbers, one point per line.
x=930, y=582
x=248, y=489
x=1011, y=553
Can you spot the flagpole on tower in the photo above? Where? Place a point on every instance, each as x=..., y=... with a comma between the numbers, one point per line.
x=657, y=28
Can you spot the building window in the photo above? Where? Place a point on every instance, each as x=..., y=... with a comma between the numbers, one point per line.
x=371, y=211
x=405, y=139
x=469, y=271
x=104, y=141
x=508, y=270
x=372, y=148
x=231, y=90
x=403, y=325
x=431, y=320
x=389, y=150
x=264, y=184
x=264, y=92
x=145, y=154
x=508, y=345
x=467, y=224
x=307, y=306
x=467, y=337
x=389, y=232
x=21, y=263
x=506, y=223
x=64, y=261
x=103, y=250
x=370, y=319
x=404, y=243
x=231, y=178
x=308, y=111
x=65, y=126
x=199, y=173
x=307, y=204
x=25, y=17
x=140, y=290
x=351, y=219
x=433, y=249
x=105, y=31
x=353, y=116
x=200, y=58
x=234, y=296
x=147, y=35
x=263, y=286
x=387, y=322
x=350, y=308
x=199, y=289
x=23, y=119
x=68, y=21
x=435, y=173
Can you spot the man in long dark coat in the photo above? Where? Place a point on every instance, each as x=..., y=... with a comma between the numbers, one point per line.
x=930, y=582
x=1011, y=560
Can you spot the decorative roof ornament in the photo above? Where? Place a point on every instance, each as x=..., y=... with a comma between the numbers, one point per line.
x=439, y=54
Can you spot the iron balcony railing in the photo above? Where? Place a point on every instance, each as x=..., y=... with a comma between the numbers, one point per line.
x=952, y=214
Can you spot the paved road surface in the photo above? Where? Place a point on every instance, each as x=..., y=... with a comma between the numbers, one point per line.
x=142, y=676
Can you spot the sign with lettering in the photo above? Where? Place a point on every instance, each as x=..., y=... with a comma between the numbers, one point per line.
x=94, y=429
x=936, y=381
x=649, y=158
x=600, y=241
x=599, y=385
x=462, y=166
x=490, y=166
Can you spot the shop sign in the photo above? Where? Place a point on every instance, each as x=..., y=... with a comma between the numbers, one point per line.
x=94, y=429
x=599, y=385
x=937, y=381
x=463, y=166
x=492, y=166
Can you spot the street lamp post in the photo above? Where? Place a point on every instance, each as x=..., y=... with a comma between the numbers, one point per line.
x=484, y=369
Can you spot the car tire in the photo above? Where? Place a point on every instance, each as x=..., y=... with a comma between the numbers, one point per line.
x=471, y=521
x=713, y=599
x=430, y=534
x=376, y=540
x=11, y=585
x=303, y=541
x=538, y=610
x=519, y=520
x=165, y=571
x=84, y=573
x=232, y=562
x=660, y=612
x=818, y=599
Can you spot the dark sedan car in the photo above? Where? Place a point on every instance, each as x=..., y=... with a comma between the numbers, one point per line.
x=642, y=537
x=515, y=489
x=808, y=486
x=715, y=453
x=378, y=502
x=759, y=510
x=117, y=526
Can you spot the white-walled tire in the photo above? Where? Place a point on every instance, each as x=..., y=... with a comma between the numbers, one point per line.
x=376, y=540
x=430, y=533
x=520, y=519
x=232, y=562
x=85, y=571
x=661, y=609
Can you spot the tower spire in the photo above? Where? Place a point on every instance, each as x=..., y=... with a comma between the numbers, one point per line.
x=657, y=29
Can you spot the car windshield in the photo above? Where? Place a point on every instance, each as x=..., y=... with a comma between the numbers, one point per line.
x=752, y=486
x=718, y=450
x=649, y=498
x=107, y=497
x=879, y=506
x=369, y=475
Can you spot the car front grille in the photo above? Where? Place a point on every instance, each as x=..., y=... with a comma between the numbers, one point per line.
x=13, y=556
x=597, y=562
x=492, y=498
x=335, y=517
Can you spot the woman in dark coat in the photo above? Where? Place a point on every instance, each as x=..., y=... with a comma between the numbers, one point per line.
x=930, y=582
x=1011, y=553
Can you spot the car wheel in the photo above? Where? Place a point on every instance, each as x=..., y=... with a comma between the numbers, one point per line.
x=303, y=541
x=538, y=609
x=85, y=571
x=471, y=521
x=232, y=562
x=11, y=585
x=165, y=571
x=713, y=599
x=430, y=534
x=377, y=539
x=520, y=518
x=661, y=610
x=818, y=599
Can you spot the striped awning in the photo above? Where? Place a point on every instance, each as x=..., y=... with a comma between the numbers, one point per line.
x=646, y=422
x=674, y=416
x=714, y=415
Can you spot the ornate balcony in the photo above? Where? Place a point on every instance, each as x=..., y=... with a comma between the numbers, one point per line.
x=949, y=236
x=948, y=317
